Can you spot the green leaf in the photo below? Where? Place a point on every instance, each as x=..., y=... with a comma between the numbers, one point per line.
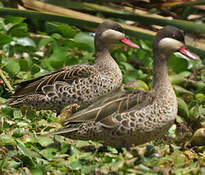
x=24, y=65
x=49, y=153
x=45, y=141
x=19, y=30
x=177, y=64
x=66, y=30
x=6, y=139
x=13, y=19
x=136, y=85
x=200, y=97
x=12, y=67
x=5, y=39
x=58, y=57
x=23, y=149
x=7, y=112
x=37, y=171
x=44, y=42
x=25, y=41
x=85, y=38
x=180, y=90
x=183, y=108
x=18, y=132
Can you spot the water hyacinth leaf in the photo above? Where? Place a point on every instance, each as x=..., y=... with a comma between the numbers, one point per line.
x=6, y=112
x=200, y=85
x=183, y=108
x=6, y=139
x=45, y=141
x=18, y=132
x=66, y=30
x=146, y=45
x=81, y=46
x=177, y=64
x=180, y=90
x=12, y=67
x=56, y=36
x=58, y=57
x=49, y=153
x=35, y=69
x=25, y=41
x=185, y=73
x=85, y=38
x=19, y=30
x=127, y=66
x=200, y=97
x=5, y=39
x=37, y=171
x=44, y=42
x=14, y=164
x=136, y=85
x=24, y=65
x=13, y=20
x=24, y=150
x=177, y=79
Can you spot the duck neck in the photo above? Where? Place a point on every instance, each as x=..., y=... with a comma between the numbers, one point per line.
x=160, y=77
x=103, y=58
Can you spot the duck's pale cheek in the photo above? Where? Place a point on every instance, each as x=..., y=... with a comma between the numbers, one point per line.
x=112, y=35
x=169, y=45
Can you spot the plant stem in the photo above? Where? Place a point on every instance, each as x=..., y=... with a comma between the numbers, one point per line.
x=11, y=89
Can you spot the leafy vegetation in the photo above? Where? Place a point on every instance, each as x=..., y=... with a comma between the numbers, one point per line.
x=30, y=48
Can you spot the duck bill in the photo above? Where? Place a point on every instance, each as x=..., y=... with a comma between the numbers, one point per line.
x=129, y=43
x=188, y=54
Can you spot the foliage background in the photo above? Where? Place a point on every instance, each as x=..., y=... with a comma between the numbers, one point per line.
x=30, y=47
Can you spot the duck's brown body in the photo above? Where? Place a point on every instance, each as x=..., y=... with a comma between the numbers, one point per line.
x=81, y=84
x=138, y=116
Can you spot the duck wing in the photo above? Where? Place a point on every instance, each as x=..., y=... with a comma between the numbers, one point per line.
x=67, y=74
x=115, y=103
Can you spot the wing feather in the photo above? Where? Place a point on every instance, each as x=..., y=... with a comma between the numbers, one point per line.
x=67, y=74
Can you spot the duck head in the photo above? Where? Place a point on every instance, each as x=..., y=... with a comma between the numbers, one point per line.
x=169, y=40
x=109, y=32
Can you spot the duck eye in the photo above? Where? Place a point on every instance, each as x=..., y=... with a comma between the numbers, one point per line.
x=116, y=28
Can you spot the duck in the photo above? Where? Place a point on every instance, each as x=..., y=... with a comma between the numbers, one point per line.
x=133, y=117
x=77, y=84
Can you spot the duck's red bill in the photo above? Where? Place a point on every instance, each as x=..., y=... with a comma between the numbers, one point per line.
x=187, y=53
x=129, y=43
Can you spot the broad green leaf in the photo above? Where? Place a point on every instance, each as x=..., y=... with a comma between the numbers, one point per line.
x=136, y=85
x=5, y=39
x=13, y=19
x=25, y=42
x=49, y=153
x=200, y=97
x=44, y=42
x=7, y=112
x=85, y=38
x=24, y=65
x=180, y=90
x=183, y=108
x=66, y=30
x=6, y=139
x=23, y=149
x=44, y=141
x=19, y=30
x=18, y=132
x=37, y=171
x=178, y=64
x=58, y=57
x=12, y=67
